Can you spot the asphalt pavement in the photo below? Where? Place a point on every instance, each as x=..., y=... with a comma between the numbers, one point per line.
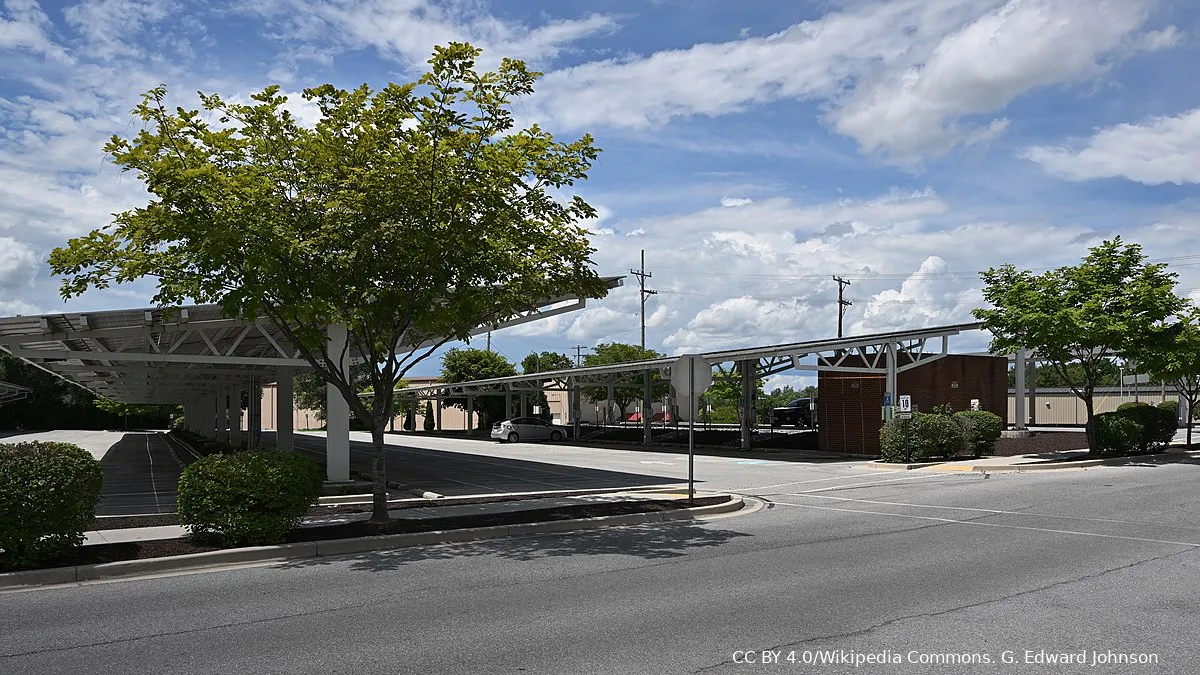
x=946, y=573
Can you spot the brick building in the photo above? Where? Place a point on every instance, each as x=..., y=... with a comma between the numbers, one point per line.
x=851, y=404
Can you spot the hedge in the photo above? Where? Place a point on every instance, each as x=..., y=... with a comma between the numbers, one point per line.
x=981, y=429
x=1116, y=433
x=48, y=494
x=1158, y=425
x=928, y=436
x=247, y=498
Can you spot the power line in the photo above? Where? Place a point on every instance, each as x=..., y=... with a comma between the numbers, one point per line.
x=642, y=275
x=578, y=354
x=842, y=303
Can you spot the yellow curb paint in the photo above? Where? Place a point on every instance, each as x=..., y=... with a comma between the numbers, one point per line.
x=953, y=467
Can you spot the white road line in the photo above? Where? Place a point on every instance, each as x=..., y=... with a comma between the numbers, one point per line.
x=869, y=483
x=993, y=511
x=153, y=487
x=800, y=482
x=974, y=523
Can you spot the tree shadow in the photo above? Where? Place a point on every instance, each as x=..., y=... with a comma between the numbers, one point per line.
x=652, y=541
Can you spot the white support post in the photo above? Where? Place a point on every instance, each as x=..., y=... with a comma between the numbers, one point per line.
x=283, y=410
x=254, y=428
x=524, y=404
x=890, y=381
x=216, y=416
x=608, y=402
x=470, y=415
x=1031, y=381
x=647, y=408
x=1021, y=409
x=235, y=415
x=748, y=371
x=337, y=418
x=437, y=410
x=508, y=405
x=576, y=406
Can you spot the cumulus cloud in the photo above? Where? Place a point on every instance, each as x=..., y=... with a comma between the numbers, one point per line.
x=736, y=201
x=1158, y=150
x=18, y=264
x=900, y=76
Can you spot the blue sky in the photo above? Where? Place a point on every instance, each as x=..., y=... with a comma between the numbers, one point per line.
x=753, y=149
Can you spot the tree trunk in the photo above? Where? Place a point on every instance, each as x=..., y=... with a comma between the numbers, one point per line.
x=1090, y=405
x=379, y=511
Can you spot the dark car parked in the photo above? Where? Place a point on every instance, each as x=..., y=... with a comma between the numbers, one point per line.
x=800, y=413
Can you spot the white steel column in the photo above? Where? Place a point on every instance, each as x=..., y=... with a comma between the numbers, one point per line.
x=254, y=413
x=337, y=415
x=1032, y=383
x=890, y=382
x=524, y=404
x=216, y=417
x=235, y=415
x=470, y=415
x=748, y=370
x=283, y=410
x=1021, y=409
x=647, y=407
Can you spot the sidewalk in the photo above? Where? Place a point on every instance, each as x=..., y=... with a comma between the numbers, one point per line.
x=433, y=510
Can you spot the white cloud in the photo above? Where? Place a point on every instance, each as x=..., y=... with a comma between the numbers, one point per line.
x=407, y=30
x=1158, y=150
x=18, y=264
x=23, y=25
x=898, y=76
x=109, y=26
x=736, y=201
x=605, y=323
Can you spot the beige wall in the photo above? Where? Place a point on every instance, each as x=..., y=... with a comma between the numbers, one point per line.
x=1059, y=408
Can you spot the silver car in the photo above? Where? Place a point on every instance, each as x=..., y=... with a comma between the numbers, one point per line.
x=527, y=429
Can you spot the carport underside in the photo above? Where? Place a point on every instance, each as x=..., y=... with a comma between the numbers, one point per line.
x=196, y=357
x=855, y=375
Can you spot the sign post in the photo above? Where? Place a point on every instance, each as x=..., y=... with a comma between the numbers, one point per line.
x=693, y=374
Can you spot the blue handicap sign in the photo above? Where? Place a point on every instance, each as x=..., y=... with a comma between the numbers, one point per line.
x=887, y=398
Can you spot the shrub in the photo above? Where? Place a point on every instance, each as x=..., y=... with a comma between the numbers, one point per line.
x=1117, y=434
x=409, y=420
x=1158, y=425
x=927, y=436
x=430, y=423
x=247, y=498
x=48, y=494
x=980, y=429
x=943, y=409
x=1171, y=406
x=1130, y=405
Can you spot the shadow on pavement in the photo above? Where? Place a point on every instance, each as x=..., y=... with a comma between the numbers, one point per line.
x=671, y=539
x=140, y=476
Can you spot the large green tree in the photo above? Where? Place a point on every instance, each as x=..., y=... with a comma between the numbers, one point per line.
x=542, y=362
x=410, y=215
x=1112, y=302
x=628, y=387
x=464, y=365
x=1177, y=360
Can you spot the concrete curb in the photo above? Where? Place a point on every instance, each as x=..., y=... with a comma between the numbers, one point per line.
x=334, y=547
x=968, y=466
x=889, y=466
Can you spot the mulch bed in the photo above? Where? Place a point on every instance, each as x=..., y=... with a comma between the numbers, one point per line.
x=105, y=553
x=1041, y=442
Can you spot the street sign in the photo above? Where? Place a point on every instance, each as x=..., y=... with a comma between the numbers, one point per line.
x=905, y=403
x=887, y=399
x=699, y=369
x=906, y=416
x=974, y=404
x=1135, y=379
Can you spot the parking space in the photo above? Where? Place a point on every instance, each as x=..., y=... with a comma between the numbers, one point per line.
x=451, y=471
x=141, y=474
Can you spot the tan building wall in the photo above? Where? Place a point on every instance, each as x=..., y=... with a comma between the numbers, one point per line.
x=1064, y=408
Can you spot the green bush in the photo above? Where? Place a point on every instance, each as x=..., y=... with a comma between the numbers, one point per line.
x=247, y=498
x=1116, y=433
x=980, y=429
x=48, y=494
x=1171, y=406
x=430, y=422
x=928, y=436
x=1130, y=405
x=1158, y=425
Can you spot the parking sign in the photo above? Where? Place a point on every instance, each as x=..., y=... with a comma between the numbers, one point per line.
x=905, y=403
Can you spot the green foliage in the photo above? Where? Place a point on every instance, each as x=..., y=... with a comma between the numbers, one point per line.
x=462, y=365
x=980, y=429
x=409, y=421
x=1170, y=405
x=627, y=388
x=1112, y=302
x=247, y=498
x=48, y=494
x=1158, y=425
x=1176, y=359
x=943, y=409
x=410, y=215
x=541, y=362
x=1108, y=375
x=927, y=436
x=1117, y=434
x=429, y=423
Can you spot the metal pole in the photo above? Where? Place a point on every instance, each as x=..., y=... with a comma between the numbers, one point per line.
x=691, y=429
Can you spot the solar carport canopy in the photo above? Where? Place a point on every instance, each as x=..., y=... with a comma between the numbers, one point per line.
x=173, y=355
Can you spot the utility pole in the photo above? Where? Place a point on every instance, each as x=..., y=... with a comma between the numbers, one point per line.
x=578, y=354
x=642, y=275
x=842, y=303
